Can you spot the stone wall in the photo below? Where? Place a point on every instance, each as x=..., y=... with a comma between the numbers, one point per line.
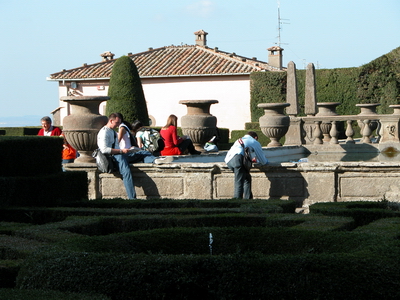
x=307, y=183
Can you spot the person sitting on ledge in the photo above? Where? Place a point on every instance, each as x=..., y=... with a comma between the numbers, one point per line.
x=107, y=141
x=48, y=129
x=175, y=145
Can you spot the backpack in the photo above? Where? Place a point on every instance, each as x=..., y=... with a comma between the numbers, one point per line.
x=152, y=140
x=247, y=159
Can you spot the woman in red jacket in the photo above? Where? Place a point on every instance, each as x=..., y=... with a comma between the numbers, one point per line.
x=175, y=145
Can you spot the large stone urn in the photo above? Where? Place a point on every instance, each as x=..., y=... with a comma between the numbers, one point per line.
x=326, y=109
x=274, y=123
x=198, y=123
x=83, y=124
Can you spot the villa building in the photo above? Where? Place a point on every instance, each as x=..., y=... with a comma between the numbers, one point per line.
x=173, y=73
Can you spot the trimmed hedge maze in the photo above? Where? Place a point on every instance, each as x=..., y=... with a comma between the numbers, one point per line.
x=118, y=249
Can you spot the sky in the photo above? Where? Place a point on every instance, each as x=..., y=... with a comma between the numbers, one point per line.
x=41, y=37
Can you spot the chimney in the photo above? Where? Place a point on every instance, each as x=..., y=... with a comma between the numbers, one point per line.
x=275, y=57
x=201, y=39
x=107, y=55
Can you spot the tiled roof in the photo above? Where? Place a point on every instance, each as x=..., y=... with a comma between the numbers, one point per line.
x=185, y=60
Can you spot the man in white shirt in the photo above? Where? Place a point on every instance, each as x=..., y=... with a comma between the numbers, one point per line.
x=234, y=160
x=107, y=141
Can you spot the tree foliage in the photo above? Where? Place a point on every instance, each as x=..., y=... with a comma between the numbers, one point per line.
x=375, y=82
x=126, y=92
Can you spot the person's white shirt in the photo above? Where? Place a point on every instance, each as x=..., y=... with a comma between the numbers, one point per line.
x=106, y=138
x=254, y=146
x=125, y=142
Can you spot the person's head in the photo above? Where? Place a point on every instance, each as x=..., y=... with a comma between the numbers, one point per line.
x=253, y=134
x=114, y=121
x=136, y=126
x=172, y=120
x=123, y=120
x=46, y=123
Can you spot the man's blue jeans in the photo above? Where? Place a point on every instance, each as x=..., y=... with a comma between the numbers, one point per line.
x=242, y=178
x=123, y=164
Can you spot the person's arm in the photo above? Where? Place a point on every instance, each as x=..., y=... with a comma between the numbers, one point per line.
x=261, y=159
x=121, y=133
x=139, y=142
x=175, y=138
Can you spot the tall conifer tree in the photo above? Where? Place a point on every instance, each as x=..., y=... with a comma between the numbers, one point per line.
x=126, y=92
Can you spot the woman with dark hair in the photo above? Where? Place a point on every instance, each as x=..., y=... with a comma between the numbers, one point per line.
x=175, y=145
x=126, y=139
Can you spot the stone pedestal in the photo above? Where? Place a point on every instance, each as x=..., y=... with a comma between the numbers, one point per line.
x=82, y=125
x=198, y=123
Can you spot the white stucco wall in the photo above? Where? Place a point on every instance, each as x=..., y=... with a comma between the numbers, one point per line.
x=163, y=96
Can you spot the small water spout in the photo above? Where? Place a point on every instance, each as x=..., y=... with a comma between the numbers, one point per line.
x=210, y=243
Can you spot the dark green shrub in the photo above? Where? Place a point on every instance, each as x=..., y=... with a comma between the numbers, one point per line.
x=30, y=156
x=44, y=190
x=39, y=294
x=237, y=276
x=126, y=92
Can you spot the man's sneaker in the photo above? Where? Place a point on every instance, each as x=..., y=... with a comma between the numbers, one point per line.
x=164, y=160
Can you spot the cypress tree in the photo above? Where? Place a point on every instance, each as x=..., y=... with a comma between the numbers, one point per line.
x=126, y=92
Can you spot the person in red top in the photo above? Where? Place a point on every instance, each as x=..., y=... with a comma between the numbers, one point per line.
x=175, y=145
x=48, y=129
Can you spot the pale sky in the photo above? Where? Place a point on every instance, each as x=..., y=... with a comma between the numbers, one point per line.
x=41, y=37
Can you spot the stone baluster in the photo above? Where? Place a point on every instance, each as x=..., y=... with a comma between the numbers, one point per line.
x=366, y=133
x=334, y=133
x=350, y=132
x=318, y=133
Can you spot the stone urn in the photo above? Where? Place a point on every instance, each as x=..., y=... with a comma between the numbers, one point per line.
x=274, y=123
x=396, y=109
x=368, y=110
x=198, y=123
x=326, y=109
x=83, y=124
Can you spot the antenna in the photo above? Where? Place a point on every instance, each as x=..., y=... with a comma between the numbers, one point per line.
x=279, y=43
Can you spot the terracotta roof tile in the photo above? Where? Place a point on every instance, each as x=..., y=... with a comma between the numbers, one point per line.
x=185, y=60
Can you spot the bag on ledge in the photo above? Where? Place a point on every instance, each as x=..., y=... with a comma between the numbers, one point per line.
x=105, y=163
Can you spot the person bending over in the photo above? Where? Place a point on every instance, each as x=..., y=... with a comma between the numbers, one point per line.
x=234, y=160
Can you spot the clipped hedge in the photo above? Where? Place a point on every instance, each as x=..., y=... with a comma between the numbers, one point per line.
x=236, y=276
x=44, y=190
x=40, y=294
x=19, y=131
x=375, y=82
x=30, y=156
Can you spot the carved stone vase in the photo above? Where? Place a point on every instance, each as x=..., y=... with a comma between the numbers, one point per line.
x=274, y=123
x=368, y=109
x=198, y=123
x=326, y=109
x=83, y=124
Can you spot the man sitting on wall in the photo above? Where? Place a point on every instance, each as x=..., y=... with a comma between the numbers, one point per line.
x=107, y=141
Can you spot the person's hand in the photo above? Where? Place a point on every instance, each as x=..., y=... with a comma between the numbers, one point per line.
x=124, y=151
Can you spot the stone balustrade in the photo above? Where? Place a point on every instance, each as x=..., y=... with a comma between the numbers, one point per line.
x=314, y=129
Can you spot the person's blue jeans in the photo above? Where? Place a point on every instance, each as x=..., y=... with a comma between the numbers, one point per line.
x=123, y=161
x=242, y=178
x=140, y=156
